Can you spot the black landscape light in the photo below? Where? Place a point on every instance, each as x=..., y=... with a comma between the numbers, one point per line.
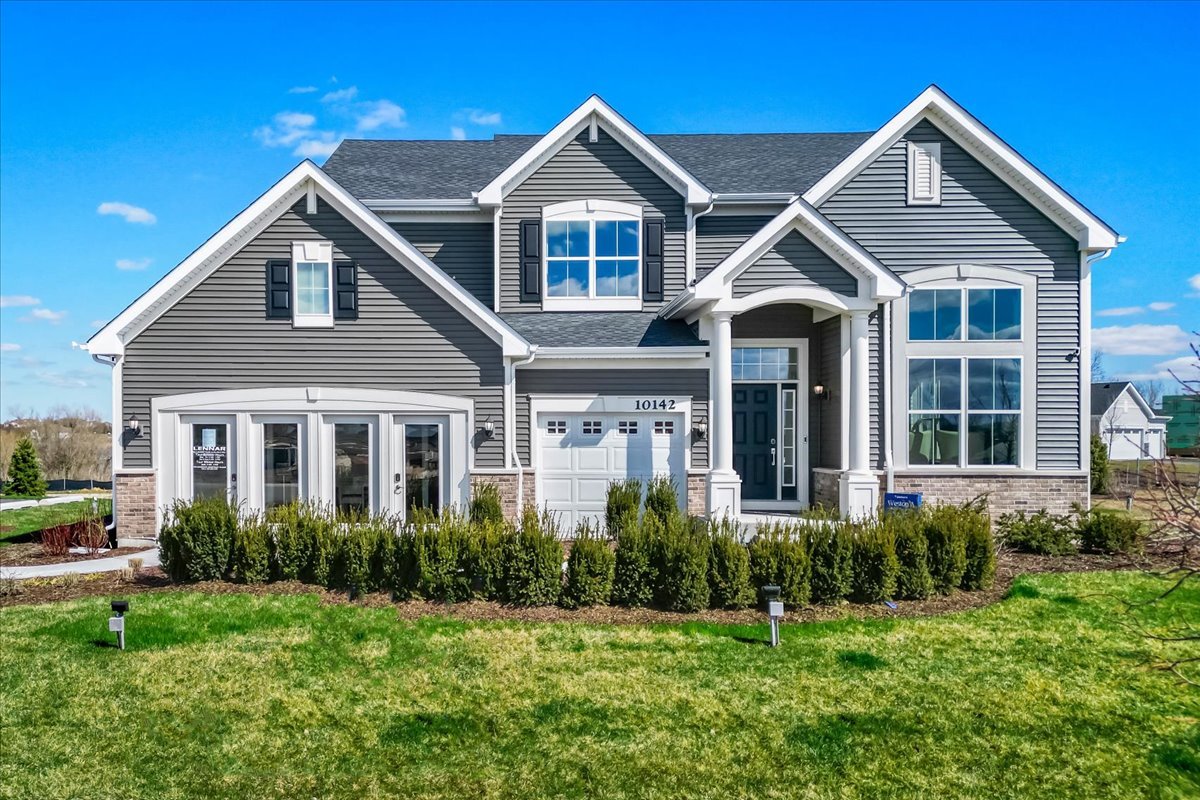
x=116, y=623
x=774, y=611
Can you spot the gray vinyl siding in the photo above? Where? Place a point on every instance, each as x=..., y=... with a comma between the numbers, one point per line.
x=980, y=221
x=825, y=414
x=462, y=249
x=685, y=382
x=794, y=261
x=718, y=236
x=782, y=321
x=602, y=170
x=406, y=337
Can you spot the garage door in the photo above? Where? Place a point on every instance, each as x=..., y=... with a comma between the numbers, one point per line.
x=579, y=454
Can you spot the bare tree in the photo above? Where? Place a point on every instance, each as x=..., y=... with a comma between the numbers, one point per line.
x=1098, y=367
x=1151, y=392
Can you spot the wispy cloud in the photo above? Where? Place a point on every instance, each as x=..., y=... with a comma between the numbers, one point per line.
x=132, y=264
x=33, y=361
x=45, y=315
x=302, y=90
x=1194, y=282
x=341, y=113
x=1183, y=368
x=129, y=213
x=317, y=148
x=380, y=114
x=1160, y=306
x=18, y=301
x=341, y=95
x=66, y=379
x=1126, y=311
x=9, y=347
x=478, y=116
x=287, y=128
x=99, y=323
x=457, y=133
x=1140, y=340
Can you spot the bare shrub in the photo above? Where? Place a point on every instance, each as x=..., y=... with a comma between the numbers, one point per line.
x=91, y=535
x=56, y=540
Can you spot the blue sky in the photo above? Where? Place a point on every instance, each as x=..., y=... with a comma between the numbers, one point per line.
x=129, y=133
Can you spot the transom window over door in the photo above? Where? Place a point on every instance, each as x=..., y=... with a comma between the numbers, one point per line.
x=593, y=255
x=985, y=314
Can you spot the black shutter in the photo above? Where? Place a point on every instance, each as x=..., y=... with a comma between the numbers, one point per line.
x=531, y=260
x=652, y=258
x=279, y=289
x=345, y=290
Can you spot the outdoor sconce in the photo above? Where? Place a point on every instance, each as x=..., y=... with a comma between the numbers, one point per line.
x=133, y=424
x=701, y=429
x=489, y=427
x=819, y=390
x=116, y=623
x=774, y=611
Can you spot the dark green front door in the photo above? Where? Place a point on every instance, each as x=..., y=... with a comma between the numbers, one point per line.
x=755, y=426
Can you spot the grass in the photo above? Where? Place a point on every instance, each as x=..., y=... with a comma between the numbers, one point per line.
x=1045, y=695
x=16, y=523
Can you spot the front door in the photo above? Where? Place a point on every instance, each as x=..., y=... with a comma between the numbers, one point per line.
x=755, y=450
x=419, y=482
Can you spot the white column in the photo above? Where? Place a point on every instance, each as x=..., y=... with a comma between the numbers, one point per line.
x=724, y=485
x=859, y=486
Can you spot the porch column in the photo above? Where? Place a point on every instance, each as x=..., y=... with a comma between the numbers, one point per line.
x=724, y=485
x=859, y=486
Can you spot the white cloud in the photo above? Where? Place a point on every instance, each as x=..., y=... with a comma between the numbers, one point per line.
x=457, y=133
x=18, y=301
x=1120, y=312
x=33, y=361
x=287, y=128
x=1139, y=340
x=1160, y=306
x=302, y=90
x=341, y=95
x=1181, y=368
x=99, y=323
x=132, y=264
x=70, y=379
x=128, y=212
x=9, y=347
x=1194, y=282
x=316, y=148
x=380, y=114
x=479, y=117
x=45, y=315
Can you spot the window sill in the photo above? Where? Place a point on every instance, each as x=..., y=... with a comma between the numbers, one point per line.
x=591, y=304
x=312, y=322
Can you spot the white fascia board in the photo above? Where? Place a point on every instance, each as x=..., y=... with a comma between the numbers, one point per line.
x=270, y=206
x=958, y=124
x=639, y=353
x=694, y=192
x=430, y=205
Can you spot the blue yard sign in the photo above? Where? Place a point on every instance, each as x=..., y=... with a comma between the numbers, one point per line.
x=894, y=501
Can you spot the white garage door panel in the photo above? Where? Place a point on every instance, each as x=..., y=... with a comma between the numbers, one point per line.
x=576, y=468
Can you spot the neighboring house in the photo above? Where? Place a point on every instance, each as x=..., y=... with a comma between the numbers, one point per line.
x=1123, y=419
x=1183, y=429
x=775, y=320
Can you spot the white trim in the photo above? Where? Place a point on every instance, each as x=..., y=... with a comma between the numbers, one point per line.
x=434, y=217
x=312, y=252
x=256, y=446
x=497, y=215
x=435, y=205
x=933, y=153
x=623, y=352
x=696, y=361
x=595, y=111
x=112, y=338
x=953, y=120
x=118, y=416
x=802, y=382
x=590, y=211
x=1085, y=365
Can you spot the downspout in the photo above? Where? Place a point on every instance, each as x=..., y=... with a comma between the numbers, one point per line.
x=111, y=361
x=691, y=257
x=515, y=449
x=888, y=463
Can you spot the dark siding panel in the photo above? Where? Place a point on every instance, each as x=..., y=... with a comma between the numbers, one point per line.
x=406, y=337
x=981, y=221
x=794, y=261
x=783, y=321
x=690, y=382
x=582, y=170
x=718, y=236
x=824, y=416
x=462, y=249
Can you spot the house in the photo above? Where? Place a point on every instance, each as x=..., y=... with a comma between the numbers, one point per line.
x=1183, y=427
x=1123, y=419
x=774, y=320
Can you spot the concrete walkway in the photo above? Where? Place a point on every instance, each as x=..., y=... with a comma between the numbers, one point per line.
x=112, y=564
x=52, y=500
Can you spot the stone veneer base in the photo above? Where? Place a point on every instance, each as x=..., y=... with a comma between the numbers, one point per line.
x=1055, y=493
x=135, y=498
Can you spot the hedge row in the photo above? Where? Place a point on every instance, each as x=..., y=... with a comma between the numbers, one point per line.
x=1095, y=531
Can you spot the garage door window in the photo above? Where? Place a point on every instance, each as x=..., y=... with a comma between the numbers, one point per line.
x=556, y=426
x=592, y=427
x=629, y=427
x=664, y=427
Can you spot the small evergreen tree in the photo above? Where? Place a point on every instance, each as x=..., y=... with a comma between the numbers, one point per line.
x=1100, y=472
x=25, y=472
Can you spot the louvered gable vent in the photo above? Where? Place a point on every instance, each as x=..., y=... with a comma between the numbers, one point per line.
x=924, y=173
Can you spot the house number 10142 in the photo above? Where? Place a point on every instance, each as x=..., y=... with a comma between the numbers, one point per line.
x=654, y=405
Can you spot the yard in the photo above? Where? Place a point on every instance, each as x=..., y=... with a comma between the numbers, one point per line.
x=1046, y=694
x=20, y=522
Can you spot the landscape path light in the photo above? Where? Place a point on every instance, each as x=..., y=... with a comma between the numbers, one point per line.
x=774, y=611
x=116, y=623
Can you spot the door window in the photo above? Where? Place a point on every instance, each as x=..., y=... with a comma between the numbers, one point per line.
x=210, y=460
x=352, y=465
x=281, y=463
x=423, y=466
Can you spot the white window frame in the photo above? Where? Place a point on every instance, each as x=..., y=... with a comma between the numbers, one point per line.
x=257, y=442
x=314, y=253
x=1024, y=349
x=934, y=150
x=590, y=211
x=964, y=310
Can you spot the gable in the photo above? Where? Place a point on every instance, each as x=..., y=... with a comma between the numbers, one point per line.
x=794, y=261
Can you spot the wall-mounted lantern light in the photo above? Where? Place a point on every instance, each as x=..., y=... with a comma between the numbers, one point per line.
x=701, y=429
x=819, y=389
x=133, y=424
x=489, y=427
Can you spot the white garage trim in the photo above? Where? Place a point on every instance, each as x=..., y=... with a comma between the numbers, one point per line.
x=604, y=404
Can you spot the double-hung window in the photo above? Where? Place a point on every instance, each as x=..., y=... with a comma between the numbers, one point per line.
x=593, y=256
x=965, y=367
x=312, y=275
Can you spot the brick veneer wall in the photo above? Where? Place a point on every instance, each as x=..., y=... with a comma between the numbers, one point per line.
x=1006, y=493
x=507, y=484
x=135, y=499
x=826, y=491
x=697, y=493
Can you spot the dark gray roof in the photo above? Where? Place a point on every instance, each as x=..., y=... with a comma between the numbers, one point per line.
x=601, y=329
x=1105, y=394
x=395, y=169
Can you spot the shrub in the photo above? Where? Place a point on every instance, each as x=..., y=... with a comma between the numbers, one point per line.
x=778, y=556
x=662, y=500
x=91, y=535
x=483, y=560
x=634, y=573
x=590, y=569
x=1100, y=472
x=290, y=540
x=681, y=563
x=366, y=550
x=250, y=561
x=25, y=471
x=533, y=561
x=1042, y=533
x=913, y=581
x=980, y=570
x=875, y=566
x=196, y=542
x=947, y=547
x=56, y=540
x=728, y=566
x=325, y=548
x=1109, y=532
x=621, y=505
x=486, y=507
x=440, y=545
x=830, y=554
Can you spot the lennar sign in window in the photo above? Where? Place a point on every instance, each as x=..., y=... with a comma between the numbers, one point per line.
x=210, y=460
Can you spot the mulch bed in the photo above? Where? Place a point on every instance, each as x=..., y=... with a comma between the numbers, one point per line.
x=1009, y=566
x=28, y=554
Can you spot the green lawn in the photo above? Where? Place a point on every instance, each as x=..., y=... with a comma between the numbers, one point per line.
x=22, y=521
x=240, y=696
